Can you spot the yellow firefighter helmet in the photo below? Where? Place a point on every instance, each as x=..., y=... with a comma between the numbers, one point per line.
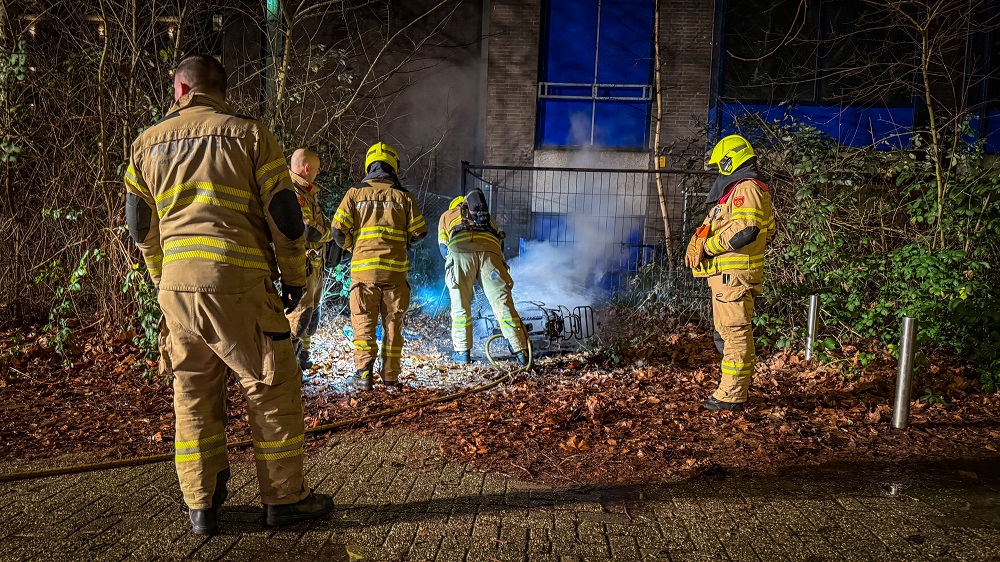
x=730, y=153
x=456, y=202
x=381, y=152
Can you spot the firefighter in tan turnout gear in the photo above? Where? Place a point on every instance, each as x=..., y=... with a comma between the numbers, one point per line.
x=207, y=191
x=304, y=318
x=471, y=245
x=378, y=220
x=728, y=249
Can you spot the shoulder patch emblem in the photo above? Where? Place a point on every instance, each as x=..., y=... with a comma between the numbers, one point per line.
x=738, y=202
x=302, y=200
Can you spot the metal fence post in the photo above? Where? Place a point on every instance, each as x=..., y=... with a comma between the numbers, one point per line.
x=812, y=325
x=904, y=375
x=465, y=175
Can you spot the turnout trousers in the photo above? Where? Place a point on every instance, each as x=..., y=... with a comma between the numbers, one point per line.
x=206, y=333
x=462, y=269
x=304, y=318
x=733, y=296
x=369, y=301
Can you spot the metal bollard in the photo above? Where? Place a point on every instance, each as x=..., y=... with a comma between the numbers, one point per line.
x=812, y=325
x=904, y=375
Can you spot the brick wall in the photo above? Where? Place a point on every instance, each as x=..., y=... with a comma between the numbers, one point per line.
x=686, y=29
x=512, y=81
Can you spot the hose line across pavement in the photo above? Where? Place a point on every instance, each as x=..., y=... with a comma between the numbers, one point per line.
x=137, y=461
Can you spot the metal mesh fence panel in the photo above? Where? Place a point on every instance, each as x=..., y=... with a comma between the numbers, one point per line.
x=611, y=219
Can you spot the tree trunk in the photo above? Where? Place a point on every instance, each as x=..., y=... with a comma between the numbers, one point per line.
x=656, y=137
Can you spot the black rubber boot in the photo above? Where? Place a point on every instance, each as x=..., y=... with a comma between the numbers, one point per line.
x=312, y=506
x=205, y=521
x=362, y=379
x=714, y=405
x=461, y=357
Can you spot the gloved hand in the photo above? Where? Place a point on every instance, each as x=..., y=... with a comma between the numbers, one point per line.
x=290, y=296
x=696, y=247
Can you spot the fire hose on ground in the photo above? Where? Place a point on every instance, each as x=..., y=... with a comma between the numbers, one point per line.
x=137, y=461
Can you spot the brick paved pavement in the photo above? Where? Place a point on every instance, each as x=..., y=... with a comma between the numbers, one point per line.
x=395, y=501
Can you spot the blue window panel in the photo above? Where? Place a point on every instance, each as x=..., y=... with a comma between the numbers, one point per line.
x=621, y=124
x=564, y=122
x=570, y=42
x=554, y=228
x=884, y=127
x=626, y=42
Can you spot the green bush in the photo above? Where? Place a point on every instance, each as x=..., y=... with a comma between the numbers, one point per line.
x=878, y=238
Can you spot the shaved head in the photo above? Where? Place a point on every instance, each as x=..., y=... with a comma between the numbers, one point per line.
x=202, y=74
x=305, y=163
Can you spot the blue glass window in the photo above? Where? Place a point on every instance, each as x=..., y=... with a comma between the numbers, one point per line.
x=596, y=73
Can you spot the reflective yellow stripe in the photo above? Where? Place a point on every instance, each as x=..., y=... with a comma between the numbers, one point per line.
x=477, y=237
x=270, y=183
x=215, y=250
x=291, y=266
x=277, y=444
x=154, y=264
x=417, y=223
x=215, y=243
x=131, y=178
x=263, y=170
x=207, y=193
x=204, y=442
x=200, y=455
x=364, y=345
x=728, y=262
x=512, y=322
x=732, y=368
x=344, y=218
x=381, y=263
x=277, y=456
x=714, y=246
x=460, y=322
x=383, y=232
x=754, y=216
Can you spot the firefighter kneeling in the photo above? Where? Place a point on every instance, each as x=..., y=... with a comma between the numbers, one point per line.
x=728, y=249
x=471, y=245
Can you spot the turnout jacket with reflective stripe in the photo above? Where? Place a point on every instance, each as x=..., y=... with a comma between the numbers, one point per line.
x=745, y=205
x=379, y=222
x=209, y=177
x=466, y=240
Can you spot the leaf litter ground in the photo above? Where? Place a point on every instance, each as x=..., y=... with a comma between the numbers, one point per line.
x=616, y=414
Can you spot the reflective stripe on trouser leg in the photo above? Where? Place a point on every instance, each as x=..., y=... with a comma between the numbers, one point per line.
x=199, y=402
x=395, y=301
x=253, y=340
x=497, y=284
x=732, y=312
x=274, y=407
x=365, y=300
x=461, y=270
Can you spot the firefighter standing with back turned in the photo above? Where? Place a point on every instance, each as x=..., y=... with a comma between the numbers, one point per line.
x=378, y=220
x=728, y=249
x=207, y=191
x=304, y=318
x=471, y=245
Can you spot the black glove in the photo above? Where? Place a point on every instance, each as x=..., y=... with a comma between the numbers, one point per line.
x=290, y=296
